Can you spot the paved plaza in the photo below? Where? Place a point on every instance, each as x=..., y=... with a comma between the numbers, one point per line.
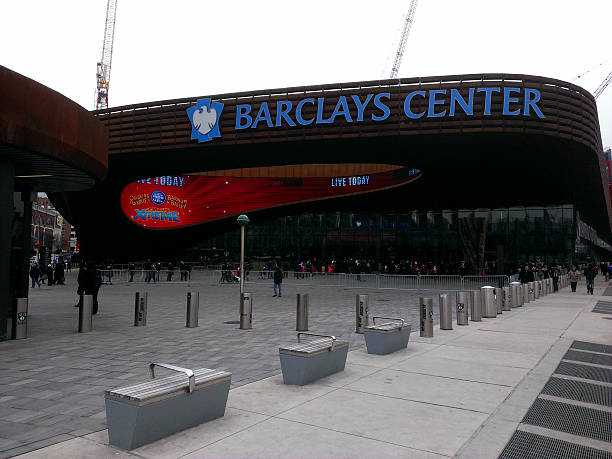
x=462, y=393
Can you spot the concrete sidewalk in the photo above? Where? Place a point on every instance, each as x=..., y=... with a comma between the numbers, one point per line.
x=462, y=393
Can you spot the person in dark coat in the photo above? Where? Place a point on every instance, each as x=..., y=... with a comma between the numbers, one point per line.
x=58, y=275
x=589, y=274
x=132, y=270
x=35, y=274
x=50, y=280
x=89, y=281
x=525, y=275
x=278, y=281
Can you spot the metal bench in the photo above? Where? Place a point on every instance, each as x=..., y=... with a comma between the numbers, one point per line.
x=143, y=413
x=386, y=337
x=304, y=362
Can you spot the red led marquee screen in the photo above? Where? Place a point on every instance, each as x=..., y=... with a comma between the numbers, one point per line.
x=176, y=201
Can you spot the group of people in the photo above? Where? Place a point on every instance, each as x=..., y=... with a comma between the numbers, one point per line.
x=538, y=271
x=52, y=274
x=152, y=271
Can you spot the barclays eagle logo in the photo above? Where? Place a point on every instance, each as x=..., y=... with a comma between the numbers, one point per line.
x=204, y=119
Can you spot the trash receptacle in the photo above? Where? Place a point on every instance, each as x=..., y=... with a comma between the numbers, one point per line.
x=462, y=308
x=140, y=309
x=488, y=301
x=85, y=311
x=426, y=317
x=193, y=309
x=475, y=305
x=246, y=311
x=361, y=312
x=21, y=323
x=446, y=312
x=301, y=321
x=532, y=287
x=499, y=300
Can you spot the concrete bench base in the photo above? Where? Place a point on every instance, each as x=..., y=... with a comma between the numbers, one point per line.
x=303, y=363
x=299, y=371
x=133, y=424
x=381, y=343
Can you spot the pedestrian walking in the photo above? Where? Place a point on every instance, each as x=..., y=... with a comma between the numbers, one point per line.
x=589, y=274
x=555, y=272
x=573, y=277
x=59, y=273
x=278, y=281
x=170, y=271
x=89, y=281
x=131, y=270
x=35, y=274
x=50, y=280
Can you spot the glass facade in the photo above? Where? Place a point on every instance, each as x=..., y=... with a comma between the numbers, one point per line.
x=502, y=238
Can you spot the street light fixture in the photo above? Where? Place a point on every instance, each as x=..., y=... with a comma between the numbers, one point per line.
x=246, y=312
x=243, y=221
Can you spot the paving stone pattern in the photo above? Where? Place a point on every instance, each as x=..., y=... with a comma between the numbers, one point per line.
x=52, y=384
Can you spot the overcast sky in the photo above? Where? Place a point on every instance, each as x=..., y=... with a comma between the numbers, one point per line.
x=182, y=48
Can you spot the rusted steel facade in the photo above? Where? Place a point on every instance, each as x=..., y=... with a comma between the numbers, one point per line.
x=44, y=133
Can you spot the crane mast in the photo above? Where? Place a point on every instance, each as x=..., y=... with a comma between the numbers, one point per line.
x=604, y=84
x=104, y=66
x=404, y=38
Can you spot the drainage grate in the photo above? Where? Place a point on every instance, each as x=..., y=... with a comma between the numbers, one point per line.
x=580, y=391
x=597, y=359
x=603, y=307
x=607, y=291
x=584, y=372
x=527, y=445
x=572, y=419
x=592, y=347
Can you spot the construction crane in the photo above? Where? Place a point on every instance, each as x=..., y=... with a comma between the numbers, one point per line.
x=604, y=84
x=104, y=66
x=404, y=38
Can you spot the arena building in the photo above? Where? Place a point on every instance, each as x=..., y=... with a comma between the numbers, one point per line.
x=492, y=169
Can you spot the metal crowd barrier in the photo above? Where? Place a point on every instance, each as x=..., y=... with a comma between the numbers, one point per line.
x=319, y=279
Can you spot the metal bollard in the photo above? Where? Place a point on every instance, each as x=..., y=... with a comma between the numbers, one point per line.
x=85, y=311
x=499, y=300
x=506, y=301
x=21, y=324
x=475, y=302
x=361, y=312
x=538, y=291
x=301, y=321
x=193, y=309
x=515, y=294
x=426, y=317
x=246, y=311
x=462, y=306
x=446, y=314
x=140, y=309
x=525, y=288
x=488, y=301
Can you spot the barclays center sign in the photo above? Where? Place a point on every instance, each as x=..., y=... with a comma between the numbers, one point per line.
x=438, y=103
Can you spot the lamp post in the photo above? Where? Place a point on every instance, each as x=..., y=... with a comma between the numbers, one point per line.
x=243, y=221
